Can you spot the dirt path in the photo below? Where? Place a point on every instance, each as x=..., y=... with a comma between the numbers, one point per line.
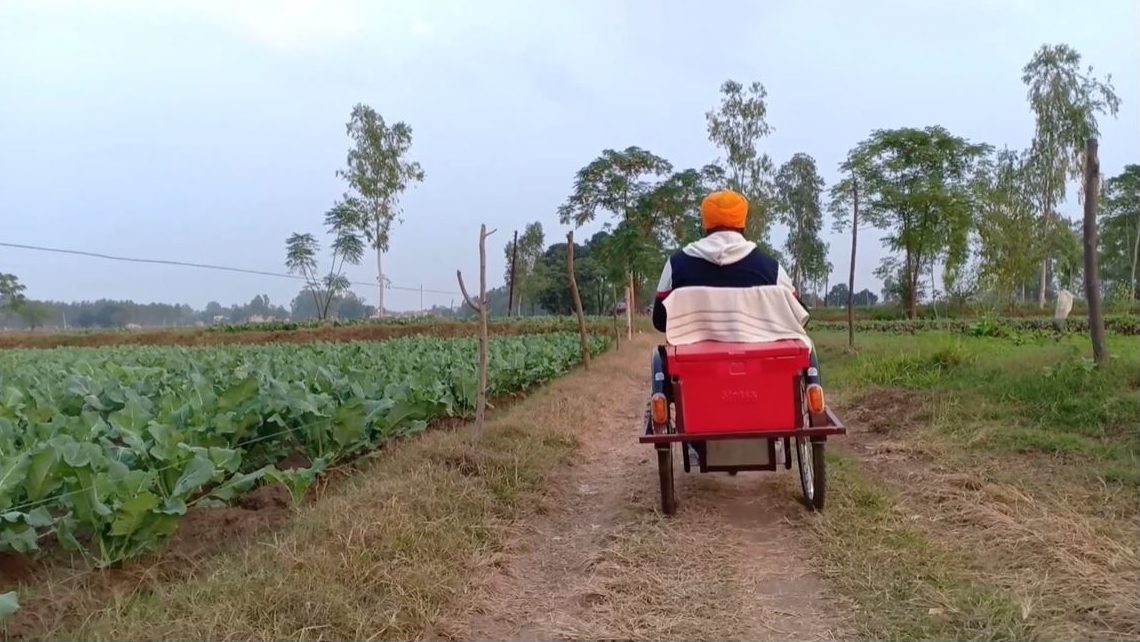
x=600, y=563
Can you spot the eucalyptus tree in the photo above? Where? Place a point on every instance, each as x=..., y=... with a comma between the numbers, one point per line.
x=1066, y=100
x=737, y=127
x=378, y=172
x=799, y=190
x=343, y=222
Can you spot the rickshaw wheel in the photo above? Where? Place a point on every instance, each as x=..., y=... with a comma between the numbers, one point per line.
x=665, y=472
x=813, y=471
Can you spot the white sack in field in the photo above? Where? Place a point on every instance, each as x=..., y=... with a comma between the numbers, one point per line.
x=1064, y=305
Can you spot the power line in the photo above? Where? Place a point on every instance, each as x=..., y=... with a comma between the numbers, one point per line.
x=204, y=266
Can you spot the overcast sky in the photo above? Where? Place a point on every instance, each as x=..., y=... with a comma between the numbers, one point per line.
x=208, y=131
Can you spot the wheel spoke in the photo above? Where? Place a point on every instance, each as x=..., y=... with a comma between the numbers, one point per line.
x=807, y=476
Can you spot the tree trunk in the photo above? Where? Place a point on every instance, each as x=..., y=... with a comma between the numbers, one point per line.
x=851, y=274
x=613, y=312
x=577, y=299
x=912, y=291
x=629, y=307
x=1132, y=286
x=1092, y=276
x=379, y=283
x=514, y=275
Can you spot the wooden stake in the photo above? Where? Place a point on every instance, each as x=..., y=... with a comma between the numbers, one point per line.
x=1092, y=274
x=577, y=299
x=481, y=308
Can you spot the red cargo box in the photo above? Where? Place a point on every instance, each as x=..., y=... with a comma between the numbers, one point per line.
x=731, y=387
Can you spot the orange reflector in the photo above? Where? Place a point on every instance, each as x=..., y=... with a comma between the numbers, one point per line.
x=815, y=398
x=660, y=409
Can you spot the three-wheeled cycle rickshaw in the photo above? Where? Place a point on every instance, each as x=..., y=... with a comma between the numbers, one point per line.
x=746, y=407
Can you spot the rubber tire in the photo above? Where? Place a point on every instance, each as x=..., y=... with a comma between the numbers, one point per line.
x=818, y=474
x=665, y=472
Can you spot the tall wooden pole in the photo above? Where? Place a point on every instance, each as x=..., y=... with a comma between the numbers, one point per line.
x=577, y=299
x=511, y=287
x=481, y=308
x=1092, y=274
x=851, y=274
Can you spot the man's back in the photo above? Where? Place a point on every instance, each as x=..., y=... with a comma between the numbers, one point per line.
x=720, y=259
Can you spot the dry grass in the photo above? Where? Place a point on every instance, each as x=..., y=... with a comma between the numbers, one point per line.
x=1026, y=539
x=1074, y=574
x=726, y=567
x=939, y=541
x=383, y=556
x=935, y=553
x=906, y=584
x=643, y=590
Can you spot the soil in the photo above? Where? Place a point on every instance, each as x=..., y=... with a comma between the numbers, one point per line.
x=886, y=411
x=205, y=337
x=67, y=582
x=600, y=562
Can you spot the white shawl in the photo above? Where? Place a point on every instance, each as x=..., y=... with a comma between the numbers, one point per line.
x=734, y=315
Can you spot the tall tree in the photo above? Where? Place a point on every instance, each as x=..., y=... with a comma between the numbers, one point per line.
x=1010, y=243
x=1066, y=100
x=617, y=182
x=11, y=292
x=844, y=199
x=34, y=314
x=377, y=173
x=799, y=189
x=865, y=297
x=837, y=296
x=675, y=203
x=1120, y=231
x=915, y=184
x=530, y=248
x=1066, y=246
x=343, y=223
x=737, y=126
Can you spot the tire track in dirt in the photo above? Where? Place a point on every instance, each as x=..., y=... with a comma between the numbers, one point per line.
x=600, y=562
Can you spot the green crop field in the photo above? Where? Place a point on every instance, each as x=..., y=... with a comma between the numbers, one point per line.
x=1123, y=324
x=105, y=449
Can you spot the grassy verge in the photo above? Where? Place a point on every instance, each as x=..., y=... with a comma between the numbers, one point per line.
x=989, y=489
x=906, y=585
x=379, y=560
x=382, y=555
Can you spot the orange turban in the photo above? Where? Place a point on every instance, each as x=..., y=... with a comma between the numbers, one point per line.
x=724, y=209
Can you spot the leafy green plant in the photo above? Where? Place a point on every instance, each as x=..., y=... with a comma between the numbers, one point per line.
x=105, y=449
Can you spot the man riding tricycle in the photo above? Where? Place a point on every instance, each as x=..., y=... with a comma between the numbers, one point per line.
x=736, y=383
